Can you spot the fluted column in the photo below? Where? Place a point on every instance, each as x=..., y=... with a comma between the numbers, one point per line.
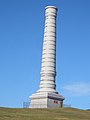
x=48, y=67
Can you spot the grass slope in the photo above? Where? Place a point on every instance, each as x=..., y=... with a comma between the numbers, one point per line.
x=44, y=114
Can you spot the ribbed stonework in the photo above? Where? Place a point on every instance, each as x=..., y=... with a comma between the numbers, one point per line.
x=48, y=69
x=47, y=96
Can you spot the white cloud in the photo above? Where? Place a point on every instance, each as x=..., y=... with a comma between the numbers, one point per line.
x=77, y=89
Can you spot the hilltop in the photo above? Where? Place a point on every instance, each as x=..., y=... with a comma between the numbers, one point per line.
x=43, y=114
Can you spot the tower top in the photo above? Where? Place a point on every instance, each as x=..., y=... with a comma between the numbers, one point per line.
x=50, y=7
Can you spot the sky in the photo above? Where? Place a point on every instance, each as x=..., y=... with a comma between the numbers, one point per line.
x=21, y=38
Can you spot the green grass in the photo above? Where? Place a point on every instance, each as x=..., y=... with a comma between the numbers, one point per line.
x=44, y=114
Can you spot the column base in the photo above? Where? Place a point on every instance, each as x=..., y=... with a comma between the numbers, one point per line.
x=46, y=100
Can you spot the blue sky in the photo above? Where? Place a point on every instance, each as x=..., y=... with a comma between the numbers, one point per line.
x=21, y=38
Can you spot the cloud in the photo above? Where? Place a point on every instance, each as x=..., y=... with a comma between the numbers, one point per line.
x=77, y=89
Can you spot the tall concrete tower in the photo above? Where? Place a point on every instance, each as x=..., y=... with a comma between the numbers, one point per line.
x=47, y=96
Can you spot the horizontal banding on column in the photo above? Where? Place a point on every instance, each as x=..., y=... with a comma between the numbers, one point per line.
x=50, y=11
x=49, y=70
x=54, y=7
x=53, y=62
x=50, y=42
x=45, y=50
x=49, y=58
x=46, y=82
x=50, y=38
x=48, y=77
x=48, y=86
x=53, y=43
x=47, y=66
x=50, y=17
x=49, y=54
x=46, y=54
x=49, y=46
x=50, y=23
x=46, y=36
x=49, y=32
x=50, y=14
x=50, y=26
x=49, y=50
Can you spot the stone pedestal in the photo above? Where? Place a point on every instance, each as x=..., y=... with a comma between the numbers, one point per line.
x=46, y=100
x=47, y=96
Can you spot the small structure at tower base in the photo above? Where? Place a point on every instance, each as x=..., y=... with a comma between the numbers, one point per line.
x=46, y=100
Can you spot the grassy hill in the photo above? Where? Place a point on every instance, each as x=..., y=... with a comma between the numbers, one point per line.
x=44, y=114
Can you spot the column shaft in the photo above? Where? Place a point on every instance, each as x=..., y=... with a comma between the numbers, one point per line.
x=48, y=68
